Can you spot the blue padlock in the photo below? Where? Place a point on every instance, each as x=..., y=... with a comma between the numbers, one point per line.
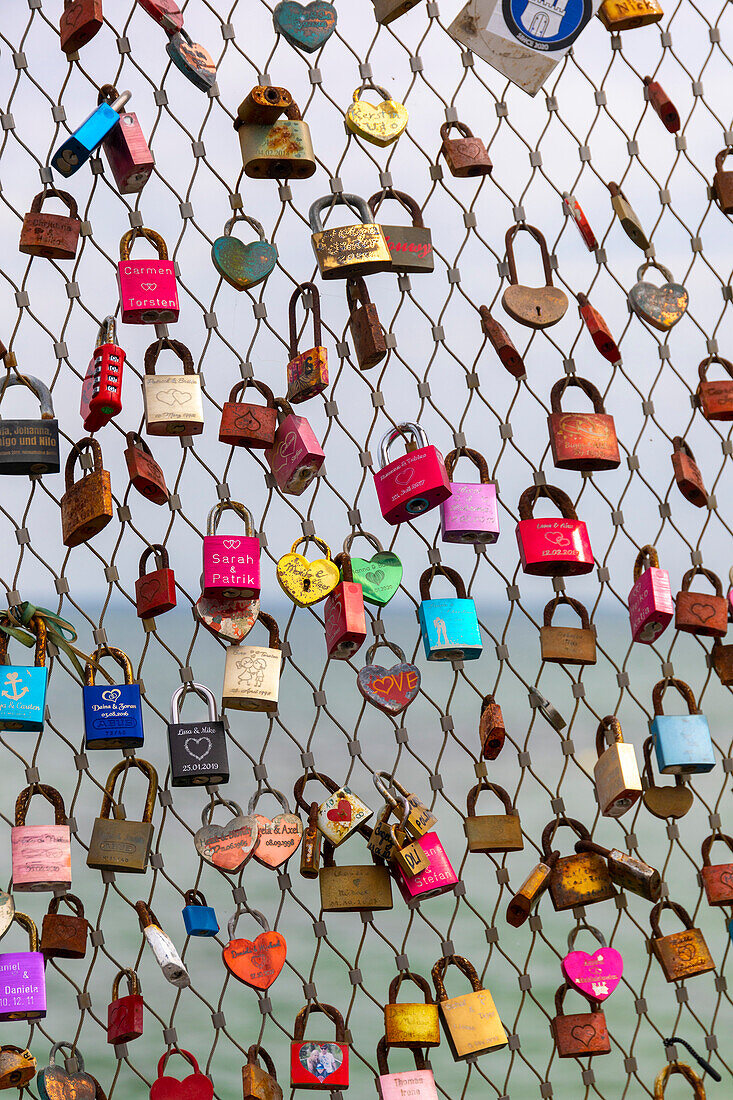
x=80, y=145
x=450, y=630
x=23, y=687
x=682, y=741
x=198, y=917
x=113, y=717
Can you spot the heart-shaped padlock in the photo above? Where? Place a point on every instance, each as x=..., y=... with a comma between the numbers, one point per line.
x=307, y=27
x=197, y=1086
x=307, y=582
x=257, y=962
x=228, y=619
x=660, y=306
x=664, y=802
x=533, y=306
x=380, y=576
x=597, y=975
x=55, y=1083
x=381, y=124
x=192, y=59
x=388, y=689
x=277, y=837
x=243, y=265
x=227, y=847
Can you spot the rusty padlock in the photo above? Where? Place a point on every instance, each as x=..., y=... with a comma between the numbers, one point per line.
x=502, y=344
x=581, y=441
x=466, y=155
x=687, y=473
x=580, y=879
x=258, y=1083
x=370, y=346
x=307, y=370
x=64, y=937
x=582, y=1034
x=698, y=612
x=722, y=188
x=533, y=306
x=681, y=955
x=244, y=424
x=54, y=236
x=717, y=879
x=721, y=657
x=716, y=398
x=599, y=331
x=567, y=645
x=491, y=728
x=531, y=889
x=86, y=506
x=145, y=473
x=80, y=21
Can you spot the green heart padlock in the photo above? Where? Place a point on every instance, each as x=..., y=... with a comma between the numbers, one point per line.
x=243, y=265
x=379, y=576
x=305, y=27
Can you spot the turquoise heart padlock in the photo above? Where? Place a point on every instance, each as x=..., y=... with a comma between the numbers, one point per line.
x=55, y=1083
x=660, y=306
x=243, y=265
x=307, y=27
x=192, y=59
x=380, y=576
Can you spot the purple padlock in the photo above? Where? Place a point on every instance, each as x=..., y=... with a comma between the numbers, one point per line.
x=296, y=456
x=471, y=513
x=23, y=978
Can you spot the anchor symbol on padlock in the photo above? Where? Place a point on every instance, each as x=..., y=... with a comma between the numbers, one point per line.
x=11, y=680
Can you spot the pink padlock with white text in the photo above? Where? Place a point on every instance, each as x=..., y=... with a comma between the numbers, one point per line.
x=650, y=600
x=552, y=547
x=438, y=878
x=413, y=483
x=148, y=290
x=470, y=514
x=417, y=1083
x=296, y=456
x=231, y=562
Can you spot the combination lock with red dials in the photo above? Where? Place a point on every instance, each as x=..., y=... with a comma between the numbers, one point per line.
x=101, y=391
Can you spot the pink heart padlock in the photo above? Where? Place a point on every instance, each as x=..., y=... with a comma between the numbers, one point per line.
x=597, y=975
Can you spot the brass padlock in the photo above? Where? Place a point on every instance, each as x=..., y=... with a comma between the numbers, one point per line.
x=535, y=307
x=310, y=850
x=380, y=125
x=420, y=819
x=17, y=1067
x=491, y=729
x=411, y=1024
x=626, y=15
x=471, y=1022
x=628, y=217
x=307, y=370
x=662, y=1078
x=406, y=854
x=581, y=879
x=86, y=506
x=466, y=155
x=384, y=840
x=173, y=403
x=387, y=10
x=664, y=802
x=350, y=249
x=723, y=182
x=258, y=1083
x=616, y=772
x=567, y=645
x=122, y=845
x=273, y=148
x=626, y=871
x=353, y=889
x=370, y=346
x=492, y=832
x=681, y=955
x=531, y=889
x=411, y=246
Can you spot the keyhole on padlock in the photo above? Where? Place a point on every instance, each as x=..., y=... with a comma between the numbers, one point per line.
x=539, y=310
x=306, y=584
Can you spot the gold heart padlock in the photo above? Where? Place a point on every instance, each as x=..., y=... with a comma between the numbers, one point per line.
x=381, y=124
x=307, y=582
x=660, y=306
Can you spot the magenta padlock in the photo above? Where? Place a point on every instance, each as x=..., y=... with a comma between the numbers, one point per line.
x=413, y=483
x=148, y=291
x=551, y=547
x=470, y=514
x=231, y=562
x=296, y=455
x=418, y=1083
x=437, y=878
x=650, y=600
x=126, y=149
x=23, y=978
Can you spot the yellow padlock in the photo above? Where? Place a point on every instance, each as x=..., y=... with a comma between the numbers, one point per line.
x=307, y=582
x=381, y=124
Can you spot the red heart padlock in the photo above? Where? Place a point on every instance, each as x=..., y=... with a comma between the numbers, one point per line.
x=258, y=962
x=342, y=812
x=197, y=1086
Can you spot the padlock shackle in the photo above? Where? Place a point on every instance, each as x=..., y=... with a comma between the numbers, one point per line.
x=284, y=409
x=208, y=811
x=117, y=655
x=343, y=561
x=692, y=1078
x=254, y=1053
x=451, y=575
x=461, y=127
x=179, y=349
x=591, y=846
x=312, y=538
x=383, y=1049
x=240, y=216
x=233, y=920
x=180, y=694
x=134, y=439
x=548, y=833
x=708, y=574
x=410, y=976
x=300, y=783
x=49, y=793
x=708, y=843
x=36, y=626
x=585, y=927
x=357, y=293
x=418, y=437
x=74, y=1053
x=36, y=386
x=49, y=191
x=284, y=804
x=177, y=1050
x=27, y=922
x=146, y=916
x=261, y=387
x=659, y=267
x=122, y=766
x=401, y=197
x=107, y=332
x=509, y=245
x=161, y=556
x=195, y=897
x=681, y=446
x=212, y=522
x=133, y=982
x=128, y=239
x=647, y=558
x=273, y=641
x=399, y=653
x=86, y=444
x=656, y=913
x=609, y=723
x=591, y=391
x=344, y=198
x=727, y=366
x=315, y=308
x=74, y=903
x=501, y=794
x=475, y=456
x=373, y=541
x=560, y=499
x=552, y=606
x=328, y=1010
x=595, y=1006
x=440, y=967
x=679, y=685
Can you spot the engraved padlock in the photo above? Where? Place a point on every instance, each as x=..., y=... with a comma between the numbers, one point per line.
x=63, y=936
x=243, y=266
x=173, y=403
x=581, y=1034
x=650, y=600
x=41, y=854
x=252, y=672
x=681, y=955
x=148, y=290
x=492, y=832
x=295, y=456
x=198, y=750
x=626, y=15
x=536, y=307
x=717, y=879
x=231, y=562
x=307, y=371
x=627, y=871
x=244, y=424
x=113, y=717
x=122, y=845
x=567, y=645
x=580, y=879
x=471, y=1022
x=23, y=687
x=353, y=888
x=700, y=612
x=155, y=592
x=381, y=124
x=551, y=547
x=413, y=483
x=351, y=249
x=449, y=627
x=126, y=148
x=419, y=1082
x=29, y=446
x=273, y=147
x=616, y=772
x=581, y=441
x=144, y=472
x=23, y=978
x=716, y=398
x=471, y=513
x=86, y=506
x=80, y=21
x=344, y=621
x=465, y=155
x=410, y=246
x=54, y=236
x=408, y=1023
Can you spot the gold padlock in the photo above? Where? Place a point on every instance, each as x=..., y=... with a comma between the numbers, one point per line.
x=384, y=841
x=567, y=645
x=410, y=1023
x=310, y=851
x=307, y=582
x=626, y=15
x=471, y=1022
x=86, y=506
x=272, y=147
x=492, y=832
x=252, y=672
x=420, y=820
x=258, y=1083
x=581, y=879
x=626, y=214
x=671, y=801
x=682, y=954
x=380, y=125
x=408, y=855
x=616, y=773
x=349, y=250
x=353, y=889
x=533, y=886
x=122, y=845
x=627, y=871
x=17, y=1067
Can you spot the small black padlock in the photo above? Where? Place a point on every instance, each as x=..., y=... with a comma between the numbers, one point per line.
x=198, y=750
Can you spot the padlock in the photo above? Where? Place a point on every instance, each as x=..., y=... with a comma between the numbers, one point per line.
x=722, y=189
x=258, y=1083
x=687, y=473
x=349, y=249
x=264, y=105
x=681, y=741
x=17, y=1067
x=252, y=672
x=438, y=878
x=389, y=689
x=582, y=1034
x=192, y=60
x=243, y=266
x=23, y=978
x=72, y=1081
x=551, y=547
x=491, y=729
x=380, y=576
x=248, y=425
x=198, y=750
x=307, y=582
x=385, y=838
x=465, y=155
x=716, y=398
x=121, y=845
x=148, y=290
x=231, y=562
x=615, y=773
x=411, y=1024
x=664, y=802
x=387, y=10
x=199, y=918
x=471, y=513
x=196, y=1085
x=471, y=1022
x=229, y=847
x=29, y=446
x=80, y=21
x=404, y=853
x=305, y=30
x=449, y=627
x=572, y=207
x=379, y=125
x=419, y=1082
x=626, y=871
x=229, y=620
x=660, y=306
x=492, y=832
x=420, y=818
x=296, y=456
x=125, y=1014
x=580, y=879
x=660, y=1082
x=166, y=13
x=502, y=344
x=721, y=657
x=128, y=154
x=162, y=946
x=86, y=506
x=626, y=15
x=628, y=217
x=662, y=104
x=718, y=879
x=342, y=813
x=370, y=344
x=355, y=888
x=567, y=645
x=307, y=370
x=41, y=854
x=53, y=236
x=173, y=402
x=536, y=307
x=681, y=955
x=144, y=472
x=599, y=331
x=113, y=717
x=310, y=852
x=699, y=613
x=650, y=600
x=344, y=621
x=581, y=441
x=414, y=483
x=155, y=592
x=272, y=147
x=101, y=390
x=410, y=246
x=79, y=146
x=531, y=889
x=319, y=1064
x=23, y=687
x=596, y=976
x=64, y=937
x=279, y=837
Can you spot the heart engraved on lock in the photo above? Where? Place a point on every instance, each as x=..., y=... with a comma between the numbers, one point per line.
x=277, y=837
x=584, y=1033
x=227, y=847
x=660, y=306
x=380, y=576
x=389, y=689
x=173, y=397
x=307, y=27
x=381, y=124
x=307, y=582
x=197, y=741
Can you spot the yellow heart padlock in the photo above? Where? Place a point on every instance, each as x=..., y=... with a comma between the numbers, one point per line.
x=381, y=124
x=307, y=582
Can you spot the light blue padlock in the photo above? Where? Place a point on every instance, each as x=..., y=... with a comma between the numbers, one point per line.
x=23, y=687
x=449, y=627
x=80, y=145
x=682, y=741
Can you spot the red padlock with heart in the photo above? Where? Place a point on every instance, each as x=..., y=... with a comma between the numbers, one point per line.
x=197, y=1086
x=257, y=962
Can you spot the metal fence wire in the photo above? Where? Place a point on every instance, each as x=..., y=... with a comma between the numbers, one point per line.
x=591, y=124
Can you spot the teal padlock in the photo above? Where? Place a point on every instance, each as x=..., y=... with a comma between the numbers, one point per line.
x=23, y=687
x=681, y=741
x=449, y=627
x=243, y=265
x=53, y=1082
